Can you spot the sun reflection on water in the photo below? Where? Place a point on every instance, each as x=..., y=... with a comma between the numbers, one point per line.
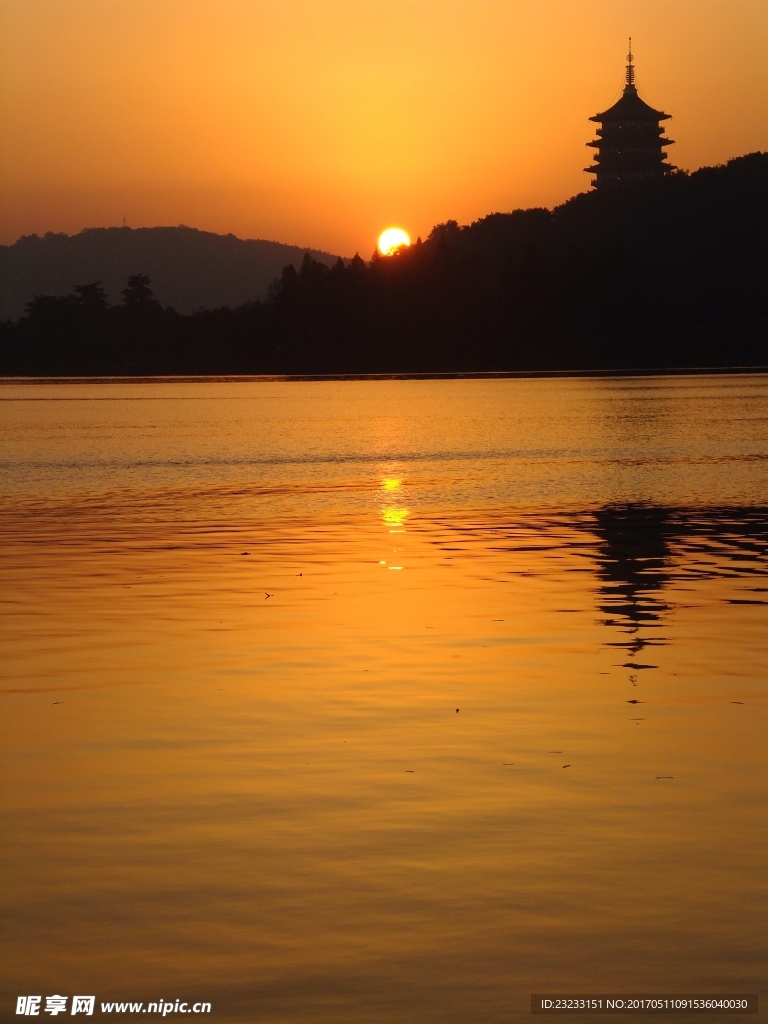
x=393, y=514
x=395, y=518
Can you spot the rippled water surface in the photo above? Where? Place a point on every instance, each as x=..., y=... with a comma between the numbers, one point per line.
x=384, y=701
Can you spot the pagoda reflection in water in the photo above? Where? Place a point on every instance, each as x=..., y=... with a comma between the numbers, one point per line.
x=630, y=141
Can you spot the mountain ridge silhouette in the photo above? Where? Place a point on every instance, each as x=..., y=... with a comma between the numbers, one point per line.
x=190, y=269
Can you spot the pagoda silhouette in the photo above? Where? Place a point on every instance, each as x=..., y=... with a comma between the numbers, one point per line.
x=630, y=140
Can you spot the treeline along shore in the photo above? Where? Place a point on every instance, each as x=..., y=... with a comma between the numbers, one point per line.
x=667, y=274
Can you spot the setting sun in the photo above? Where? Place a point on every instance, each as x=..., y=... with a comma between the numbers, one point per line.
x=392, y=239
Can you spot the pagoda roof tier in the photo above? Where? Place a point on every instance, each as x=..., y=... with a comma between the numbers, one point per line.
x=630, y=107
x=629, y=146
x=610, y=165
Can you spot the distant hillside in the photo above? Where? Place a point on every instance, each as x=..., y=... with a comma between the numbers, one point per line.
x=188, y=268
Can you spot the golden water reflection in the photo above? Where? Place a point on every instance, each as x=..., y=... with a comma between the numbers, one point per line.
x=393, y=516
x=245, y=762
x=356, y=785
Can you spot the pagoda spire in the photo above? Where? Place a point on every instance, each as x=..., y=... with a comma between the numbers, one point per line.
x=630, y=65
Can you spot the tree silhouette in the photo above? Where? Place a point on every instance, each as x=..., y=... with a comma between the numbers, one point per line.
x=138, y=296
x=91, y=297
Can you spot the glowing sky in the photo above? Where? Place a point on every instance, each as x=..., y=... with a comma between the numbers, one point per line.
x=321, y=123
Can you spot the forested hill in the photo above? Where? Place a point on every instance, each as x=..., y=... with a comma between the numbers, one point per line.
x=669, y=274
x=188, y=268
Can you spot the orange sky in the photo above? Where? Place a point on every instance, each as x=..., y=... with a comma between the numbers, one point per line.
x=320, y=122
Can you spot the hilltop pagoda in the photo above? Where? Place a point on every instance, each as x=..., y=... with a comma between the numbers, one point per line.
x=630, y=140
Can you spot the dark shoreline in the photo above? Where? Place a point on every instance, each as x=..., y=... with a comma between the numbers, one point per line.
x=678, y=371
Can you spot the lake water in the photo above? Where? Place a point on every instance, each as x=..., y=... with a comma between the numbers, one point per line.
x=384, y=701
